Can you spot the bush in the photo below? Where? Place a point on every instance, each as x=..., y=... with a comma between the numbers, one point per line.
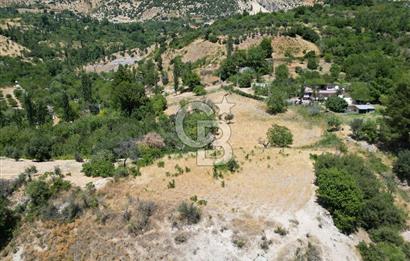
x=333, y=123
x=345, y=183
x=386, y=234
x=189, y=212
x=121, y=172
x=199, y=90
x=245, y=79
x=381, y=252
x=138, y=224
x=336, y=104
x=402, y=166
x=38, y=192
x=99, y=166
x=380, y=211
x=277, y=101
x=13, y=152
x=39, y=148
x=7, y=222
x=280, y=136
x=339, y=193
x=365, y=130
x=312, y=63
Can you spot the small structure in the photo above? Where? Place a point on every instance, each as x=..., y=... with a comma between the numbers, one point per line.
x=321, y=92
x=362, y=109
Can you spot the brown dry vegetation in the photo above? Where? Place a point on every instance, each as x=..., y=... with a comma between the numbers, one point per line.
x=11, y=48
x=273, y=188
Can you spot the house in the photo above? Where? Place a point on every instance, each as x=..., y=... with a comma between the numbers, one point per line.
x=364, y=108
x=321, y=92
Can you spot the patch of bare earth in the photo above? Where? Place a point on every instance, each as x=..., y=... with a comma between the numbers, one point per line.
x=11, y=48
x=273, y=189
x=10, y=169
x=112, y=62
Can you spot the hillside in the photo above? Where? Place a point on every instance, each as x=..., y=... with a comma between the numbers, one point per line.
x=274, y=136
x=137, y=10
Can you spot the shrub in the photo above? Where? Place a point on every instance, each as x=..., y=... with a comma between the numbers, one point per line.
x=39, y=148
x=365, y=130
x=189, y=212
x=312, y=63
x=245, y=79
x=381, y=252
x=171, y=184
x=280, y=136
x=7, y=222
x=346, y=183
x=121, y=172
x=281, y=231
x=339, y=193
x=402, y=166
x=333, y=123
x=139, y=223
x=13, y=152
x=99, y=166
x=199, y=90
x=380, y=211
x=231, y=165
x=386, y=234
x=38, y=192
x=336, y=104
x=276, y=101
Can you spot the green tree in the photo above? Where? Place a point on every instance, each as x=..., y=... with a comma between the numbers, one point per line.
x=365, y=130
x=312, y=63
x=68, y=112
x=245, y=79
x=177, y=72
x=398, y=113
x=381, y=252
x=279, y=136
x=360, y=92
x=339, y=193
x=30, y=110
x=38, y=192
x=100, y=165
x=282, y=73
x=129, y=97
x=334, y=123
x=7, y=222
x=39, y=148
x=86, y=87
x=402, y=166
x=149, y=74
x=336, y=104
x=190, y=78
x=276, y=101
x=229, y=46
x=266, y=46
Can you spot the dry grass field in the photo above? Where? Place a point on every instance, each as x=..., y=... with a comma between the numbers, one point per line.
x=273, y=190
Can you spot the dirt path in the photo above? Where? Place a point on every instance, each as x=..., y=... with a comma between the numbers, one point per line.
x=10, y=169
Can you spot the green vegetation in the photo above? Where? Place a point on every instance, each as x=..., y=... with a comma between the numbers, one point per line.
x=402, y=166
x=355, y=198
x=366, y=130
x=189, y=213
x=276, y=101
x=279, y=136
x=333, y=123
x=7, y=222
x=251, y=62
x=336, y=104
